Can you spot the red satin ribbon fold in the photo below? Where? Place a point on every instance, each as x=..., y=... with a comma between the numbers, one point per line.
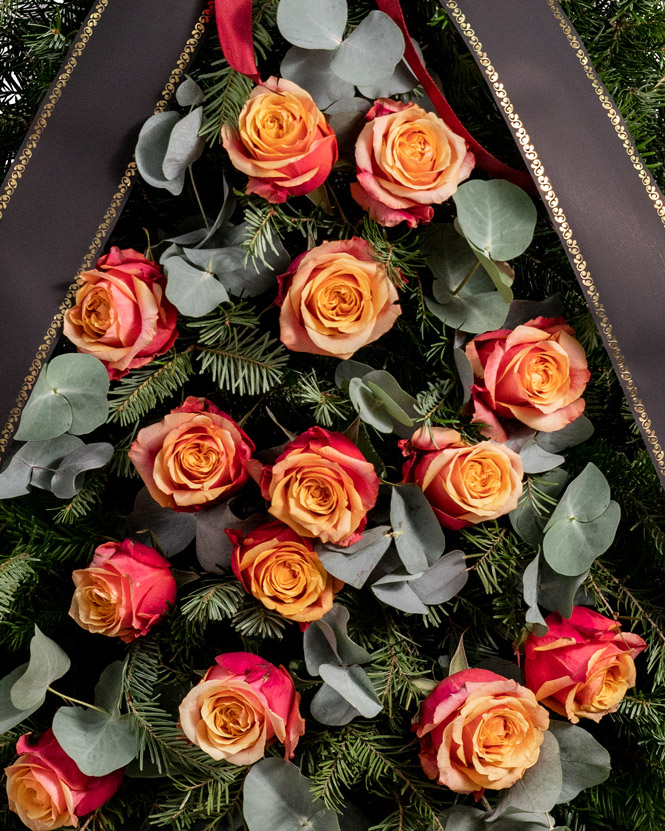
x=234, y=26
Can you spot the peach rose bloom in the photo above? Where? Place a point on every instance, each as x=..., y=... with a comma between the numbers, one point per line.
x=464, y=483
x=282, y=570
x=125, y=591
x=479, y=730
x=193, y=457
x=47, y=790
x=335, y=299
x=535, y=374
x=282, y=141
x=242, y=705
x=407, y=160
x=584, y=666
x=121, y=314
x=322, y=486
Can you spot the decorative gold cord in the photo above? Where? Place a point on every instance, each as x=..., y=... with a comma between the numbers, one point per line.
x=558, y=215
x=53, y=332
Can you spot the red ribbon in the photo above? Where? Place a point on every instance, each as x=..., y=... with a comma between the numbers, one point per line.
x=234, y=25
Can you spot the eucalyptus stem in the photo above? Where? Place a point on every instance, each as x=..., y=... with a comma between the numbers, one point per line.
x=198, y=198
x=69, y=700
x=472, y=271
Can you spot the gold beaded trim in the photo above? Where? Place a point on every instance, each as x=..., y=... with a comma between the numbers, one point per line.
x=558, y=215
x=53, y=332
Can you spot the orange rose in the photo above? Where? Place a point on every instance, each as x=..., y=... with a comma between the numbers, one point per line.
x=194, y=456
x=479, y=730
x=583, y=666
x=464, y=483
x=121, y=315
x=335, y=299
x=535, y=373
x=282, y=141
x=282, y=570
x=406, y=161
x=125, y=591
x=322, y=486
x=242, y=705
x=46, y=788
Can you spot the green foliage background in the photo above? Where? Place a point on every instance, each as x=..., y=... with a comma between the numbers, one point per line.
x=42, y=540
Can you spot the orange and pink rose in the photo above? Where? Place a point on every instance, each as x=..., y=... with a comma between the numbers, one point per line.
x=242, y=705
x=282, y=141
x=407, y=160
x=193, y=457
x=121, y=314
x=282, y=570
x=47, y=790
x=464, y=483
x=335, y=299
x=479, y=730
x=535, y=374
x=125, y=591
x=583, y=666
x=322, y=486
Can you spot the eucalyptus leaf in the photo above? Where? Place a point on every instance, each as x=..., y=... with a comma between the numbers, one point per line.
x=371, y=52
x=530, y=587
x=310, y=69
x=500, y=274
x=368, y=407
x=346, y=117
x=172, y=531
x=395, y=591
x=185, y=146
x=346, y=370
x=496, y=216
x=11, y=716
x=538, y=790
x=67, y=481
x=453, y=264
x=326, y=642
x=312, y=24
x=571, y=546
x=278, y=797
x=97, y=742
x=537, y=460
x=418, y=536
x=398, y=402
x=528, y=520
x=329, y=707
x=213, y=547
x=585, y=498
x=584, y=761
x=70, y=393
x=464, y=371
x=459, y=662
x=443, y=580
x=108, y=690
x=556, y=592
x=471, y=313
x=35, y=464
x=522, y=311
x=194, y=293
x=402, y=80
x=189, y=93
x=353, y=685
x=48, y=662
x=151, y=149
x=354, y=563
x=572, y=434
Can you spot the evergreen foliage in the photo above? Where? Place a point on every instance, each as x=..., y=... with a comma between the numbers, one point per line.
x=43, y=539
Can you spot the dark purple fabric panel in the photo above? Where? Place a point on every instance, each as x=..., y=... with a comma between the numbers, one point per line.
x=72, y=174
x=603, y=202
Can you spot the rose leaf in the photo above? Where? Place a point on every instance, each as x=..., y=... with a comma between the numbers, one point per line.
x=419, y=539
x=371, y=52
x=312, y=24
x=48, y=662
x=277, y=796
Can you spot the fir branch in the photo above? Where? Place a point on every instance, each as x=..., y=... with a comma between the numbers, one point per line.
x=326, y=401
x=253, y=620
x=139, y=392
x=400, y=254
x=82, y=503
x=15, y=570
x=213, y=601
